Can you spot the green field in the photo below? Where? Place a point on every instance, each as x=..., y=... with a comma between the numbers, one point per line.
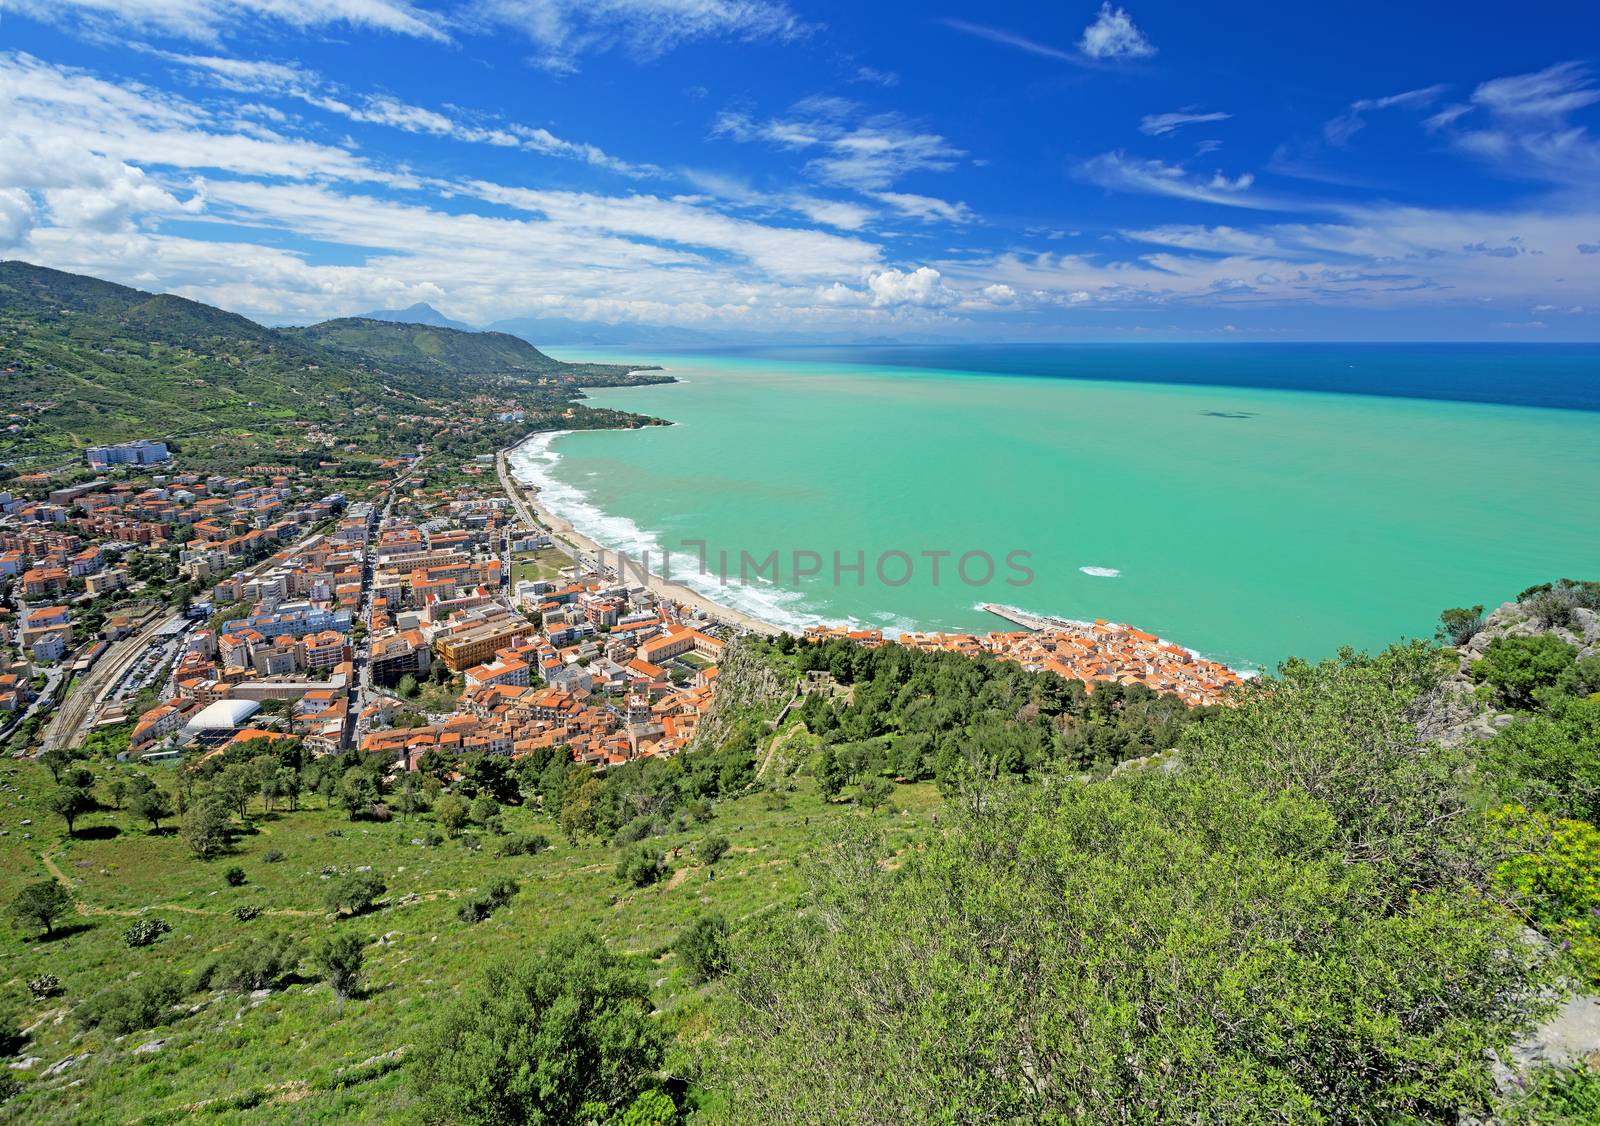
x=297, y=1055
x=534, y=566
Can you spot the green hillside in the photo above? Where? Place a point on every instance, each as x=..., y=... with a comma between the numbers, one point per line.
x=1311, y=907
x=426, y=349
x=84, y=361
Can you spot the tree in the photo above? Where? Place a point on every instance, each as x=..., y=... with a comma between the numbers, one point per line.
x=875, y=791
x=484, y=810
x=452, y=813
x=563, y=1036
x=287, y=784
x=41, y=904
x=151, y=805
x=338, y=959
x=69, y=803
x=236, y=785
x=408, y=800
x=1458, y=624
x=580, y=808
x=118, y=789
x=55, y=761
x=408, y=687
x=205, y=828
x=357, y=793
x=702, y=947
x=830, y=775
x=354, y=893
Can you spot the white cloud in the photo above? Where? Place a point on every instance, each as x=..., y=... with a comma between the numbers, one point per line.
x=264, y=77
x=1520, y=124
x=566, y=30
x=1156, y=124
x=1012, y=39
x=1346, y=125
x=868, y=155
x=209, y=20
x=1120, y=172
x=16, y=216
x=1113, y=36
x=923, y=287
x=1550, y=93
x=782, y=252
x=926, y=208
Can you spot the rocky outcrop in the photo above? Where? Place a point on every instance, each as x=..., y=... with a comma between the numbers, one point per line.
x=749, y=687
x=1454, y=713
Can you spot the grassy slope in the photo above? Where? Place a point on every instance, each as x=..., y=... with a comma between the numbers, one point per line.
x=296, y=1053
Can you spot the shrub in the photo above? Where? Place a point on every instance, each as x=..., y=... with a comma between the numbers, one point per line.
x=640, y=828
x=502, y=890
x=338, y=959
x=245, y=912
x=575, y=1009
x=271, y=856
x=712, y=848
x=702, y=946
x=205, y=828
x=1518, y=667
x=452, y=812
x=257, y=963
x=499, y=891
x=474, y=909
x=44, y=986
x=641, y=865
x=131, y=1006
x=234, y=876
x=354, y=893
x=484, y=809
x=1458, y=624
x=142, y=932
x=1552, y=869
x=523, y=844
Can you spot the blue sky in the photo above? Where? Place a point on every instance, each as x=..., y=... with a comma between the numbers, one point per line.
x=1002, y=171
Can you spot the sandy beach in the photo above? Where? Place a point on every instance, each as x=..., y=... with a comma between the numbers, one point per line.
x=526, y=499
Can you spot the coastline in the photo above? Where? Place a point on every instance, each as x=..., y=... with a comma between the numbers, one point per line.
x=525, y=498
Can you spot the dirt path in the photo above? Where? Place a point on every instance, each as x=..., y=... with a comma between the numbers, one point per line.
x=778, y=740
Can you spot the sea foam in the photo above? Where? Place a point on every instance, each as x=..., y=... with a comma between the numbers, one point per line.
x=534, y=461
x=1102, y=572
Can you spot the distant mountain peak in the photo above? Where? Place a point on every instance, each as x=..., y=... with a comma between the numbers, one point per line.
x=419, y=314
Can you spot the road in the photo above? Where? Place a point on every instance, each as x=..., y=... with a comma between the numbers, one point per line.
x=360, y=661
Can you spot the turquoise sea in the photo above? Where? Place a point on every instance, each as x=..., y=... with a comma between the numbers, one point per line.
x=1230, y=498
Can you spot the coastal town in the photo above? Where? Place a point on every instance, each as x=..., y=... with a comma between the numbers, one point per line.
x=1094, y=652
x=442, y=611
